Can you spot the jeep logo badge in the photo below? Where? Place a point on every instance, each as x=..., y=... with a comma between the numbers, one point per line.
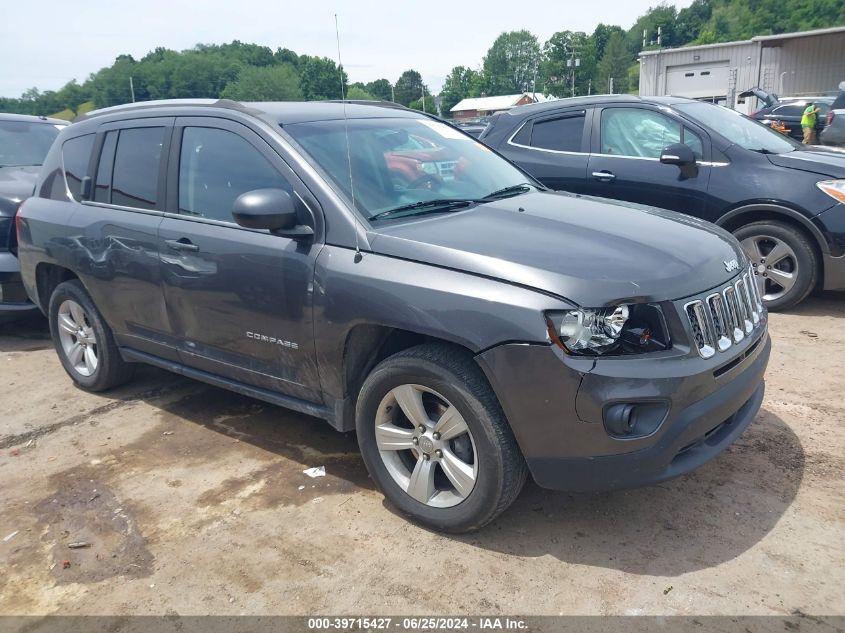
x=731, y=265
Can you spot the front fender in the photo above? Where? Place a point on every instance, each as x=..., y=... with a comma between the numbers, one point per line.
x=468, y=310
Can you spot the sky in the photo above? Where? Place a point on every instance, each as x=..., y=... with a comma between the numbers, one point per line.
x=47, y=43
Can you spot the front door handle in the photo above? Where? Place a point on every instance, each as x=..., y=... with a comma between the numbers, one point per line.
x=604, y=175
x=182, y=244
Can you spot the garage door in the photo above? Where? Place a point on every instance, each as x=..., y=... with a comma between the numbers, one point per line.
x=698, y=80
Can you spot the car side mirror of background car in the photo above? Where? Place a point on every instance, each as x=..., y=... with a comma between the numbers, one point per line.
x=271, y=209
x=677, y=154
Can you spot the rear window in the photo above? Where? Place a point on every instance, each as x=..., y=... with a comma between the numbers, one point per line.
x=23, y=143
x=562, y=134
x=76, y=153
x=136, y=166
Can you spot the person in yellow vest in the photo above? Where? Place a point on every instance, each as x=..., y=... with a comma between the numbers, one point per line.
x=808, y=124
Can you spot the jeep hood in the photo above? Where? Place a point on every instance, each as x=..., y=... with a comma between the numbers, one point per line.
x=819, y=160
x=591, y=251
x=16, y=185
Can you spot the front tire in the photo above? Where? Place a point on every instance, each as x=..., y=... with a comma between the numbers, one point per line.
x=785, y=265
x=83, y=340
x=435, y=440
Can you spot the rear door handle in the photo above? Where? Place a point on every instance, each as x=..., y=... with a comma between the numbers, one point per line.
x=182, y=244
x=604, y=175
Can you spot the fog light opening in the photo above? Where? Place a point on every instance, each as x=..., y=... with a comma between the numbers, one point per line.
x=620, y=419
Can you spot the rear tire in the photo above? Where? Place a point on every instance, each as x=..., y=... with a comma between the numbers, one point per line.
x=83, y=340
x=455, y=481
x=785, y=264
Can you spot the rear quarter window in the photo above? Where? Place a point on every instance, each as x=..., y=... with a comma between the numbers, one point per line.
x=76, y=153
x=561, y=134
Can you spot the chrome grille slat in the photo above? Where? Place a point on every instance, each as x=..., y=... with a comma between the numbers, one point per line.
x=735, y=315
x=725, y=318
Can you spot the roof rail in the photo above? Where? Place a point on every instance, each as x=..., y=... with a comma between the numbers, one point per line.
x=142, y=105
x=382, y=103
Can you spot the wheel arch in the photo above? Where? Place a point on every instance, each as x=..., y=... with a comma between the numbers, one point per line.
x=366, y=345
x=757, y=212
x=47, y=277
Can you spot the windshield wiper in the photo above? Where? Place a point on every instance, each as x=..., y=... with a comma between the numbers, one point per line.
x=522, y=187
x=426, y=206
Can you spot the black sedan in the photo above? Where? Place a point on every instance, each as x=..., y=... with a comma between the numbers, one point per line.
x=784, y=201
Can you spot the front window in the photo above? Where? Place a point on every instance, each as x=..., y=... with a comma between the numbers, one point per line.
x=398, y=162
x=745, y=132
x=23, y=143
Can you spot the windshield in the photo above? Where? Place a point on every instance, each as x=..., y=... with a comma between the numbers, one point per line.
x=738, y=128
x=25, y=143
x=398, y=162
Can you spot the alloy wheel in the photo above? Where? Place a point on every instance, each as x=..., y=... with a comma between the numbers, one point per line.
x=426, y=446
x=775, y=265
x=79, y=343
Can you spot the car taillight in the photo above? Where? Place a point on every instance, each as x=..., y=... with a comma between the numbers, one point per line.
x=830, y=117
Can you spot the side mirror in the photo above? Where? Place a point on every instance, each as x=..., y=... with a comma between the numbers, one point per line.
x=677, y=154
x=271, y=209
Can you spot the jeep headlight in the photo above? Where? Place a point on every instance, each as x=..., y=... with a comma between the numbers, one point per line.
x=622, y=329
x=834, y=188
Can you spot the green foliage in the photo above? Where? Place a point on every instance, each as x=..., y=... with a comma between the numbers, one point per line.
x=418, y=105
x=556, y=74
x=320, y=78
x=614, y=63
x=461, y=83
x=511, y=63
x=357, y=93
x=409, y=87
x=265, y=83
x=380, y=89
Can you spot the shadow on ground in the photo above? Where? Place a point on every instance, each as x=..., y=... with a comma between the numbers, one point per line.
x=697, y=521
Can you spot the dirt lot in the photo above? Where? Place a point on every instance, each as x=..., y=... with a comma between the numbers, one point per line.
x=195, y=502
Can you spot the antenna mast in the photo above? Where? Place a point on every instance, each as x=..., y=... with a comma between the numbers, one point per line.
x=358, y=255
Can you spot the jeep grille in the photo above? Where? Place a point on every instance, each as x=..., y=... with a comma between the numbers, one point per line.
x=725, y=318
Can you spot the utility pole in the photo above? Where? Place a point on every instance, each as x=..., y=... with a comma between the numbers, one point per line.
x=590, y=86
x=610, y=85
x=392, y=94
x=132, y=88
x=423, y=98
x=573, y=63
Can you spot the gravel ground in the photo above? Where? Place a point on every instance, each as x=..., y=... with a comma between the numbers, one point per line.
x=194, y=501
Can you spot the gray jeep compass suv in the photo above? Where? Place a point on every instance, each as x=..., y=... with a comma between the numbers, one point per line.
x=382, y=270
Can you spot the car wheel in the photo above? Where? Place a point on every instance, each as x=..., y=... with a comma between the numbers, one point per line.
x=435, y=440
x=785, y=264
x=83, y=340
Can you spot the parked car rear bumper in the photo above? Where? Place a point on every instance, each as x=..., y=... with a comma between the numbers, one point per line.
x=13, y=299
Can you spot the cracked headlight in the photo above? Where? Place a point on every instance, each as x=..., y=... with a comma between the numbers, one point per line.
x=623, y=329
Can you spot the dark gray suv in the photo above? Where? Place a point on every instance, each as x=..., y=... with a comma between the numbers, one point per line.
x=384, y=271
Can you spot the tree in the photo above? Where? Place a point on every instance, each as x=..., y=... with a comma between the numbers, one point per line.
x=601, y=35
x=511, y=63
x=320, y=78
x=462, y=82
x=380, y=89
x=556, y=72
x=409, y=87
x=424, y=106
x=615, y=65
x=265, y=83
x=357, y=93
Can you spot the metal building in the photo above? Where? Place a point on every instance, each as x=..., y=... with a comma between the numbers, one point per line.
x=809, y=62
